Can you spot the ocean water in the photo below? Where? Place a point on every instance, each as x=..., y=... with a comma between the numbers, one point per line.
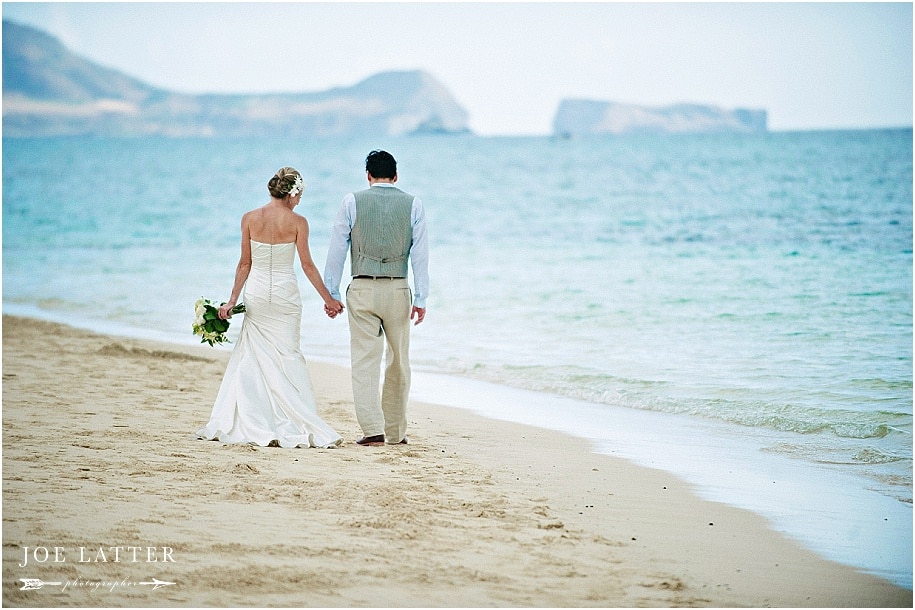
x=708, y=303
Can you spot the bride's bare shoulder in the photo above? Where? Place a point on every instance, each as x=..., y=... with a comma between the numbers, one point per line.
x=300, y=219
x=255, y=213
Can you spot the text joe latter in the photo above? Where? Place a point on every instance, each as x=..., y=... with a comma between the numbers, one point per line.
x=113, y=554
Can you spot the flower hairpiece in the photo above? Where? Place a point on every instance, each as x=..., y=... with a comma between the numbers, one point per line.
x=297, y=187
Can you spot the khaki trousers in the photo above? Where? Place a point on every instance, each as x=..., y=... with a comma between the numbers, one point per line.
x=379, y=314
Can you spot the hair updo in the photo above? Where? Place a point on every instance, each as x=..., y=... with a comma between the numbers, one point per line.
x=283, y=181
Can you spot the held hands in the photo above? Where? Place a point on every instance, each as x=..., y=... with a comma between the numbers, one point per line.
x=333, y=308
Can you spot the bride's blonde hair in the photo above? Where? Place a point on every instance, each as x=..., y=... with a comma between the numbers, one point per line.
x=283, y=182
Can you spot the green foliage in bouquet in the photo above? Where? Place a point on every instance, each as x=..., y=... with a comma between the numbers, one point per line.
x=207, y=323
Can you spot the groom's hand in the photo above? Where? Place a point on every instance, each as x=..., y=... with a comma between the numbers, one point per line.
x=419, y=313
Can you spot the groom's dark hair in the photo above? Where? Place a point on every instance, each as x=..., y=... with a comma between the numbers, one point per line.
x=381, y=164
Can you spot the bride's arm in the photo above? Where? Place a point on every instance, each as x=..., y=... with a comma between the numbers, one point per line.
x=311, y=271
x=241, y=272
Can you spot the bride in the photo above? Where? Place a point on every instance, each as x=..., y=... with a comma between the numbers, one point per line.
x=266, y=396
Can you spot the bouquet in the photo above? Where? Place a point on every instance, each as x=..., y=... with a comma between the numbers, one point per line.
x=209, y=325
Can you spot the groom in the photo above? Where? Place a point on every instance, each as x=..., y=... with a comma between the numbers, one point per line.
x=382, y=228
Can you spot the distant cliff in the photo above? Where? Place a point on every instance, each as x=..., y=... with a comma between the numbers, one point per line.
x=47, y=90
x=587, y=117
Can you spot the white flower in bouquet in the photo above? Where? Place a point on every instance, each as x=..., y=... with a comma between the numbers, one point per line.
x=207, y=323
x=200, y=310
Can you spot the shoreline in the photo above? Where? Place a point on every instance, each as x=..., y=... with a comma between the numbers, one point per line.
x=797, y=499
x=869, y=529
x=475, y=511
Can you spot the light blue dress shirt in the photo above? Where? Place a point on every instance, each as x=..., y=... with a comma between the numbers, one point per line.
x=340, y=246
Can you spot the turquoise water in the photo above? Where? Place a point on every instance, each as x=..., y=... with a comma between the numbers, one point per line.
x=762, y=283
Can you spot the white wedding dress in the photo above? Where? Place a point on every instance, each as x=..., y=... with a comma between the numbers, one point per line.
x=266, y=395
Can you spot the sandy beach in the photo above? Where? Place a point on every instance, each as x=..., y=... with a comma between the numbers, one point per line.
x=107, y=493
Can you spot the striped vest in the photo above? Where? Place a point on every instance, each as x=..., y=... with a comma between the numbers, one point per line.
x=383, y=232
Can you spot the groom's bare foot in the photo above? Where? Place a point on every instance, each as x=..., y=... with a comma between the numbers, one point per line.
x=371, y=441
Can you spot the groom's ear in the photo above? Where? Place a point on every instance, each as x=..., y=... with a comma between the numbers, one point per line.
x=395, y=178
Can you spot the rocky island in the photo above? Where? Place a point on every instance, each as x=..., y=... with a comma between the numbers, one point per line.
x=577, y=117
x=50, y=91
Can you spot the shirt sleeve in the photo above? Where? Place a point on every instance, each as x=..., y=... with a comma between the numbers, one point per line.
x=339, y=245
x=419, y=254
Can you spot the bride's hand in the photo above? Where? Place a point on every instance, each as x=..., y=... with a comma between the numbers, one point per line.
x=225, y=312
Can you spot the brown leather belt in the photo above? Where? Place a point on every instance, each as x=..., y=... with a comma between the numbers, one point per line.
x=376, y=277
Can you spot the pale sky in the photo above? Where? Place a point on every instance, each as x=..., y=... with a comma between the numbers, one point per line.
x=812, y=66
